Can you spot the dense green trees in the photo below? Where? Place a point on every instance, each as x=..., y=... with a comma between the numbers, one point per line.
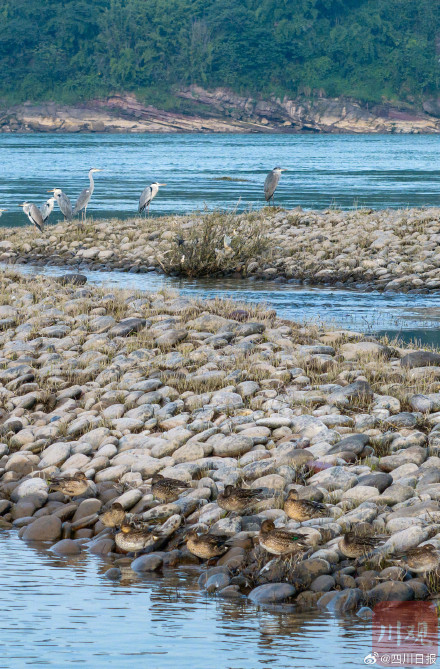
x=75, y=49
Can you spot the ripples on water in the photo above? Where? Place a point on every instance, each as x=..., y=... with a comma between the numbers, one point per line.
x=62, y=612
x=324, y=170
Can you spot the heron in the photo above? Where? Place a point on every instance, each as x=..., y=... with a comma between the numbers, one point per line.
x=47, y=208
x=34, y=215
x=1, y=211
x=85, y=195
x=147, y=195
x=271, y=183
x=64, y=203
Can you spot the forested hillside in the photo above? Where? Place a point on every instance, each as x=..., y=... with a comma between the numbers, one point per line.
x=371, y=50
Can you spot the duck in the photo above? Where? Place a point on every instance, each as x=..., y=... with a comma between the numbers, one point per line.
x=72, y=486
x=303, y=509
x=205, y=546
x=113, y=517
x=421, y=560
x=133, y=539
x=238, y=499
x=278, y=541
x=354, y=545
x=166, y=489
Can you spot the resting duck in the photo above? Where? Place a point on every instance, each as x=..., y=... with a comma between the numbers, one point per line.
x=205, y=546
x=303, y=509
x=72, y=486
x=238, y=499
x=278, y=541
x=113, y=517
x=165, y=489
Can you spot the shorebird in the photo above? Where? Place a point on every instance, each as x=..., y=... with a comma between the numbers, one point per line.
x=86, y=194
x=47, y=208
x=34, y=215
x=166, y=489
x=147, y=196
x=271, y=183
x=280, y=542
x=353, y=545
x=133, y=539
x=206, y=546
x=73, y=486
x=238, y=499
x=113, y=517
x=303, y=509
x=64, y=203
x=421, y=560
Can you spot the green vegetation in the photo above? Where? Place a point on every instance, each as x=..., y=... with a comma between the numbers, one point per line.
x=372, y=50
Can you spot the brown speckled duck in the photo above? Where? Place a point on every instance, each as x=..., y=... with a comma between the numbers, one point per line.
x=205, y=546
x=72, y=486
x=280, y=542
x=238, y=499
x=166, y=489
x=354, y=545
x=113, y=517
x=421, y=560
x=133, y=539
x=303, y=509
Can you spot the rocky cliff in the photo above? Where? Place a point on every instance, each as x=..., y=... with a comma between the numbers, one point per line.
x=219, y=110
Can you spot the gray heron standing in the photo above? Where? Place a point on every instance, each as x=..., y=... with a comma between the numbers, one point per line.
x=64, y=203
x=85, y=195
x=34, y=214
x=271, y=183
x=147, y=195
x=47, y=208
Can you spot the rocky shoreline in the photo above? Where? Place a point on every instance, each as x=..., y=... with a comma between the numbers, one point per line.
x=121, y=386
x=393, y=250
x=222, y=110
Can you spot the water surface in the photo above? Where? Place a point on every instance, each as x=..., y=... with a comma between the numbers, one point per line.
x=60, y=612
x=323, y=170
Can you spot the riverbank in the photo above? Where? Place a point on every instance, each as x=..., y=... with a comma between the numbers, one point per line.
x=369, y=249
x=124, y=385
x=221, y=110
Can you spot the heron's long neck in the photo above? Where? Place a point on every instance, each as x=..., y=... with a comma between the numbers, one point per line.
x=92, y=183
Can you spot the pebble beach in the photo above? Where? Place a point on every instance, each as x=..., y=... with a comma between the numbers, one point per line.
x=121, y=386
x=390, y=250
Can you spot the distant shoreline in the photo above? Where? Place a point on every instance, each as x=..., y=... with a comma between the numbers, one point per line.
x=218, y=111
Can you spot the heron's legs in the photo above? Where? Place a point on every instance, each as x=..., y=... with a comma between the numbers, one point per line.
x=148, y=209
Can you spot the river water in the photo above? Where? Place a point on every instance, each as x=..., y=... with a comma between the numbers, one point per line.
x=63, y=612
x=342, y=171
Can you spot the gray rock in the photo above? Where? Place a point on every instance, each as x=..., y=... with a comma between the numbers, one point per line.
x=390, y=591
x=404, y=419
x=127, y=327
x=420, y=359
x=151, y=562
x=354, y=392
x=217, y=582
x=347, y=600
x=270, y=593
x=380, y=481
x=113, y=574
x=322, y=583
x=354, y=443
x=73, y=278
x=46, y=528
x=66, y=547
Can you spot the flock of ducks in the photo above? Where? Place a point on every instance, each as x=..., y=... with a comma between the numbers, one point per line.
x=38, y=216
x=133, y=535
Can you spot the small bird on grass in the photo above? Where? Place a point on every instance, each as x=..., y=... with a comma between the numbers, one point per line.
x=280, y=542
x=72, y=486
x=206, y=546
x=239, y=500
x=303, y=509
x=167, y=489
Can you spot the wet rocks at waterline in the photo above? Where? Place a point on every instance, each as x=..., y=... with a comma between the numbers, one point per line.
x=301, y=465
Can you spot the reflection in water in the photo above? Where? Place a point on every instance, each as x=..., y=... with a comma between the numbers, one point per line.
x=399, y=314
x=63, y=612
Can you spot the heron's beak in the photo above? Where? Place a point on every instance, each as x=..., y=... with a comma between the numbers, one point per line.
x=51, y=191
x=21, y=205
x=162, y=184
x=283, y=169
x=3, y=210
